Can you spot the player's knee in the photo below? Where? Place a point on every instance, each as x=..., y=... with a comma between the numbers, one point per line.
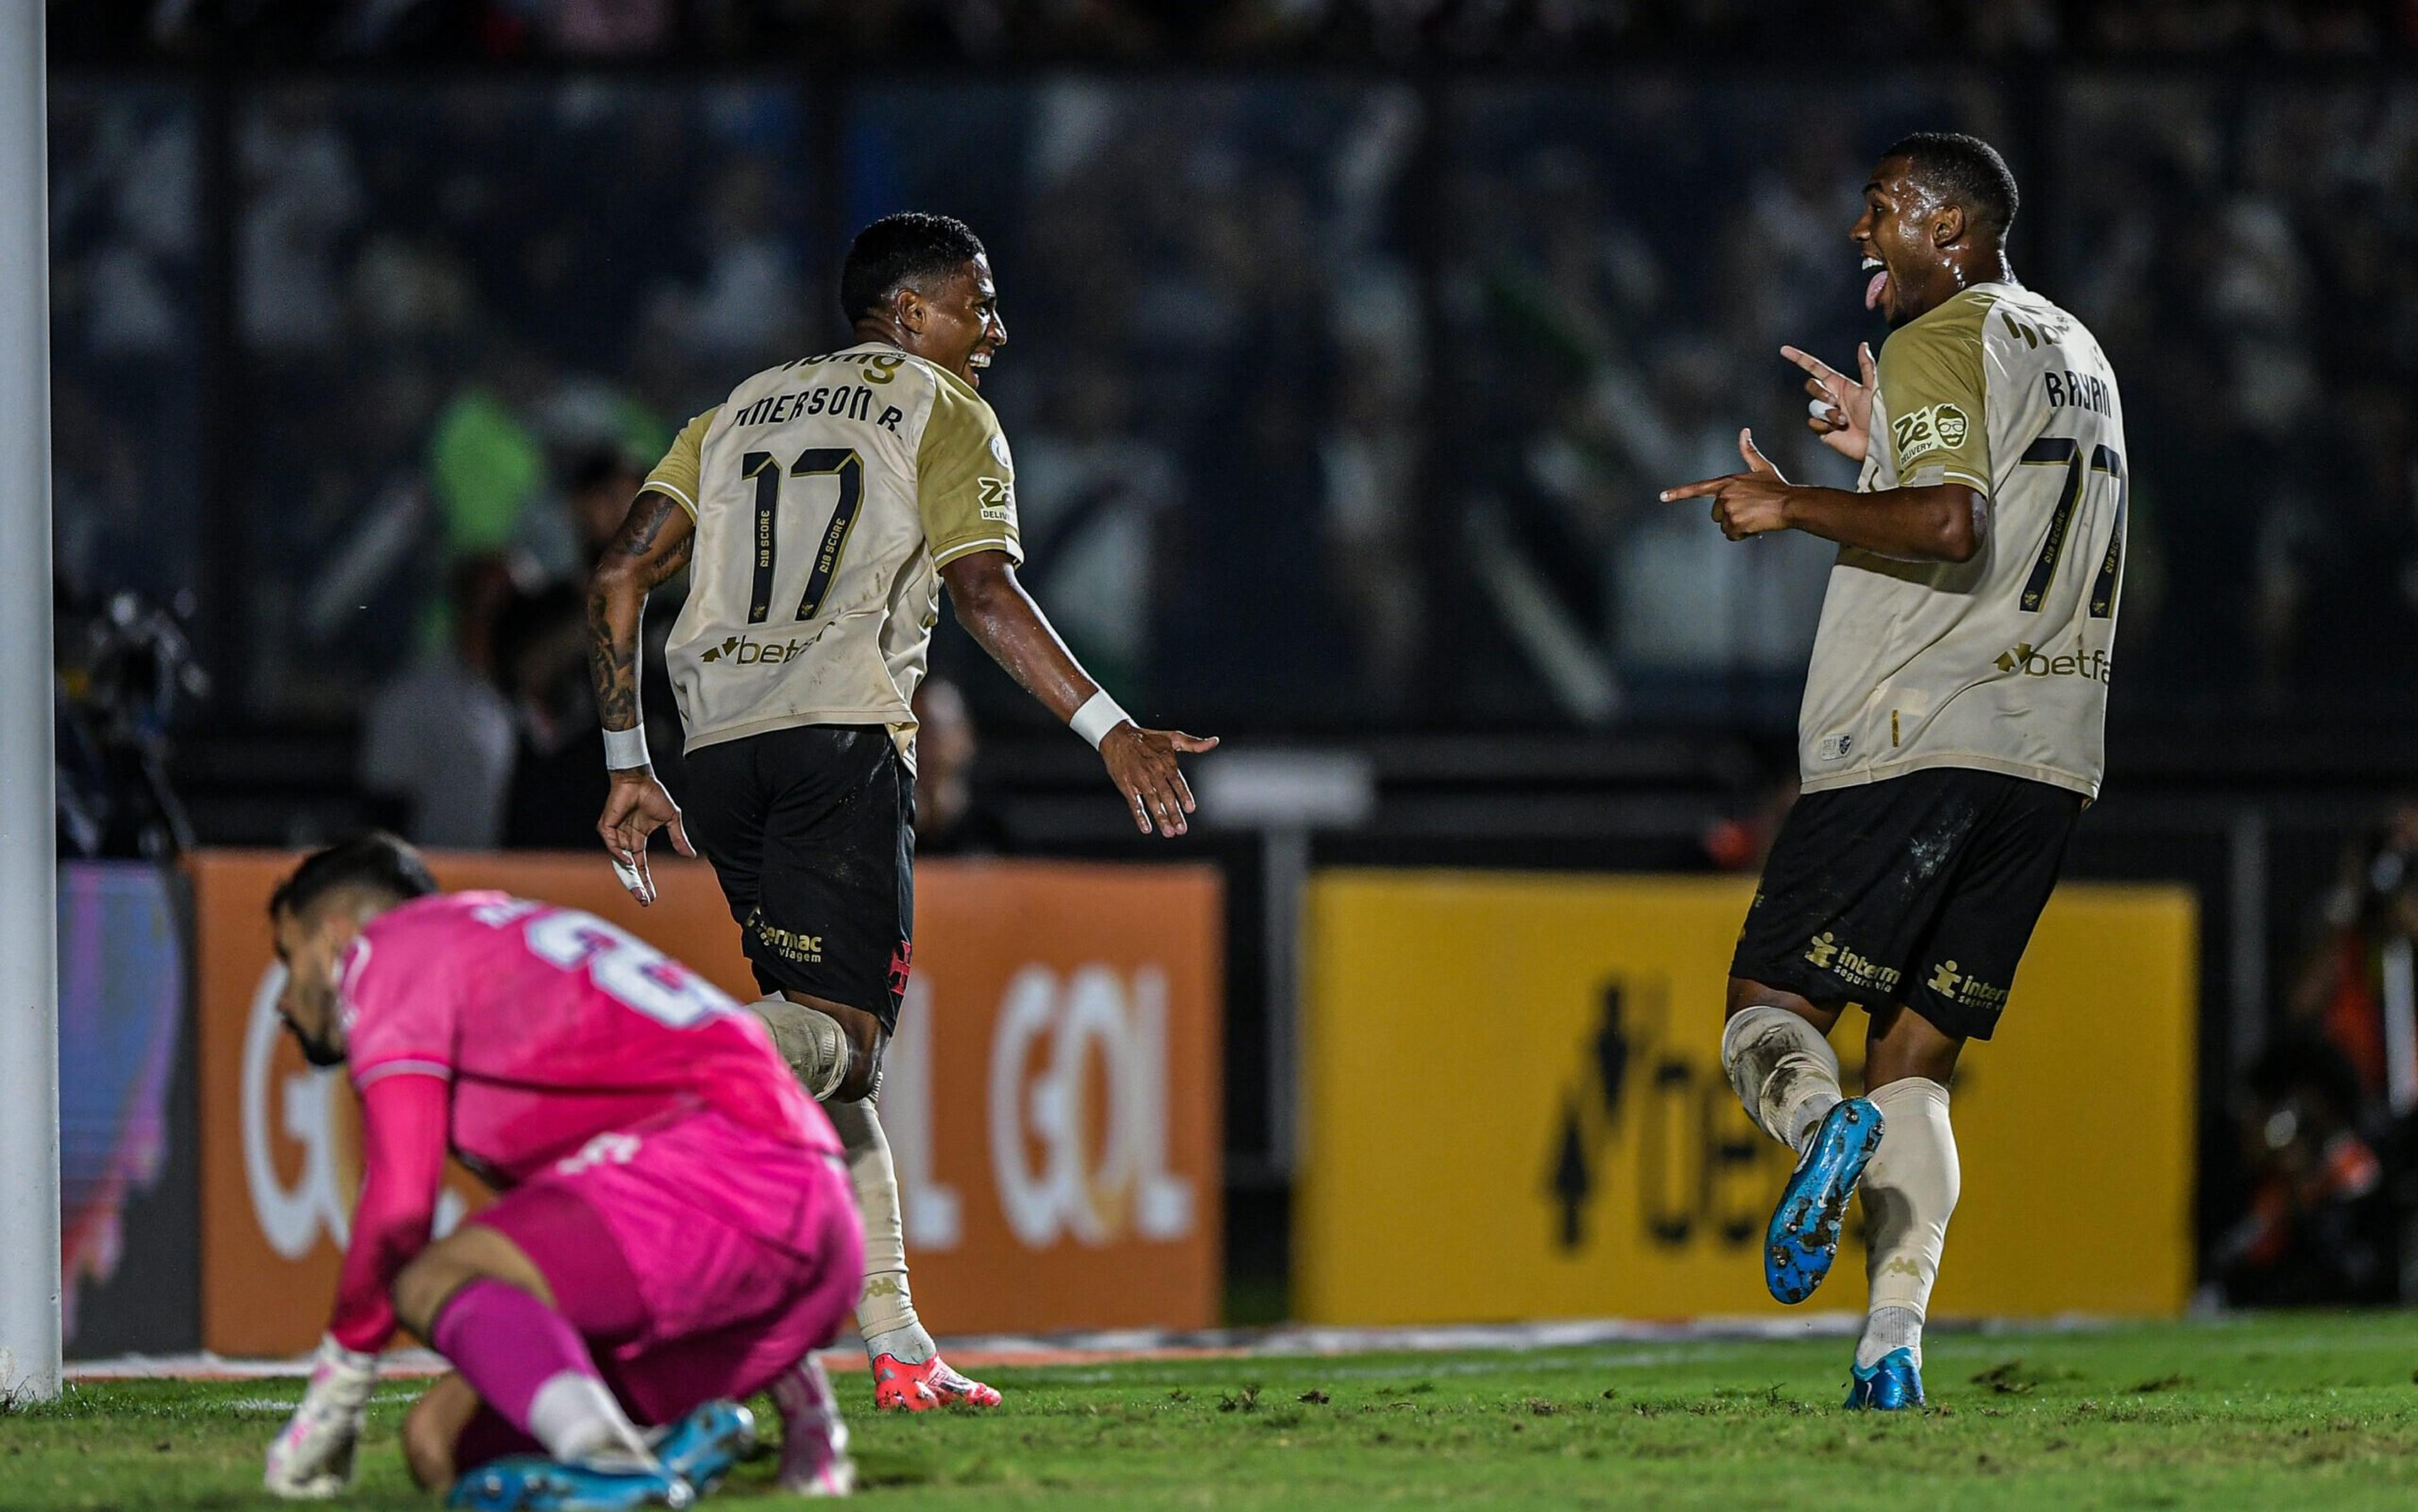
x=1901, y=1044
x=471, y=1252
x=864, y=1078
x=1745, y=993
x=818, y=1046
x=422, y=1287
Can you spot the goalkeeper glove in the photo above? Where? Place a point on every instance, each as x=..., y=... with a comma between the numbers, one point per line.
x=313, y=1459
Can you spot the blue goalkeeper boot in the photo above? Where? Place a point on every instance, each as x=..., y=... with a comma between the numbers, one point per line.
x=533, y=1483
x=1803, y=1238
x=1892, y=1385
x=701, y=1448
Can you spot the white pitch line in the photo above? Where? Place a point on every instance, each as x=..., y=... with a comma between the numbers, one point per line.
x=1136, y=1346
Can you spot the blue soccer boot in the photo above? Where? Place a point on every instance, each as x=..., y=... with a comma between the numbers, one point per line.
x=533, y=1483
x=1891, y=1384
x=701, y=1448
x=1803, y=1238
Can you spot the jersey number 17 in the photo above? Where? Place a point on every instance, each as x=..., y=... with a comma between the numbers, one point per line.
x=816, y=461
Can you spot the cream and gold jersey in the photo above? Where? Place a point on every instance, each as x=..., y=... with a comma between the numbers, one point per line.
x=828, y=493
x=2002, y=663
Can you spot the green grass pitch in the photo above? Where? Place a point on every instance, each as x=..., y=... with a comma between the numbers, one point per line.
x=2279, y=1412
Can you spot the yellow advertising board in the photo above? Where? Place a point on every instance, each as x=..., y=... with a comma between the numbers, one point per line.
x=1514, y=1107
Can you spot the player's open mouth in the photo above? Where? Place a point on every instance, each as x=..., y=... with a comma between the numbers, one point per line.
x=978, y=363
x=1879, y=284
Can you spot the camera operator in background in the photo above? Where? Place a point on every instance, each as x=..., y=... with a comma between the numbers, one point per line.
x=124, y=670
x=2357, y=988
x=2317, y=1224
x=2324, y=1123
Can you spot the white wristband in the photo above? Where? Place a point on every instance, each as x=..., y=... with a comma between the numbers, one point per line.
x=1098, y=715
x=625, y=749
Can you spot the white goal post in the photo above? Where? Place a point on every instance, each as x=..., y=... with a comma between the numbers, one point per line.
x=29, y=1009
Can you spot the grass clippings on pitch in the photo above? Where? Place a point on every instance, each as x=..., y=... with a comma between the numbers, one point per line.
x=2282, y=1411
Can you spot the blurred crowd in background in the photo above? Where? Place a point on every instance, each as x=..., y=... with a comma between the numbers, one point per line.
x=1337, y=402
x=949, y=30
x=1339, y=398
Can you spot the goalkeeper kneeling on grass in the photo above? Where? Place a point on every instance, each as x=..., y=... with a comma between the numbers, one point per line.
x=677, y=1230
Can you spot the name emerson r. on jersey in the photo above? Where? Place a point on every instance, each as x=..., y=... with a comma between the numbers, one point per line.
x=918, y=474
x=2003, y=662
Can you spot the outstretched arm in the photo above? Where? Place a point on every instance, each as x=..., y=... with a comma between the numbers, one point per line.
x=1941, y=523
x=403, y=1148
x=1004, y=620
x=653, y=543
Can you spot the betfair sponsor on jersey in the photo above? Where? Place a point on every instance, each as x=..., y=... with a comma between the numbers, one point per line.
x=1589, y=1158
x=2030, y=661
x=747, y=650
x=1052, y=1098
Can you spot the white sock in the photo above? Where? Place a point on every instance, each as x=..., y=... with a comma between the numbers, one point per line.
x=1786, y=1073
x=1909, y=1192
x=1886, y=1329
x=577, y=1418
x=885, y=1312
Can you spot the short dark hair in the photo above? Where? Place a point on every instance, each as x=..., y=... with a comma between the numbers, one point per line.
x=375, y=863
x=1968, y=169
x=908, y=247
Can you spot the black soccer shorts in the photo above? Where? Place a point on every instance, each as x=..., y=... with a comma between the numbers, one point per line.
x=1921, y=889
x=812, y=832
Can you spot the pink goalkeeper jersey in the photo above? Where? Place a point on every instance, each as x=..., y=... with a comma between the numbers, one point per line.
x=552, y=1027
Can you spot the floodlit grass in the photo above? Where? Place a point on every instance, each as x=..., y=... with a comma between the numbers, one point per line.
x=2291, y=1412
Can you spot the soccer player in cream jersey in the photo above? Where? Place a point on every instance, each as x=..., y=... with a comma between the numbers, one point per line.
x=1952, y=728
x=824, y=504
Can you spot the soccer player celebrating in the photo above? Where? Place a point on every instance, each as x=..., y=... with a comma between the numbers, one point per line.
x=1952, y=724
x=824, y=504
x=676, y=1231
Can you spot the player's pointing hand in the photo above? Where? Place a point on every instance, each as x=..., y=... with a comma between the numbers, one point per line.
x=1143, y=765
x=1749, y=503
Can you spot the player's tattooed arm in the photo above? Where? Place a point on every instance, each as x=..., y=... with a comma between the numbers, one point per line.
x=654, y=543
x=1004, y=620
x=1941, y=523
